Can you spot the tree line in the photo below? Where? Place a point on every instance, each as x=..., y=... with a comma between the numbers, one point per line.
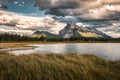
x=5, y=37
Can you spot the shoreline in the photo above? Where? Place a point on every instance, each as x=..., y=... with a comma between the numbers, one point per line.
x=24, y=44
x=15, y=49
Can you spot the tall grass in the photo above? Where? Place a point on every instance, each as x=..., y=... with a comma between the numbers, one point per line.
x=57, y=67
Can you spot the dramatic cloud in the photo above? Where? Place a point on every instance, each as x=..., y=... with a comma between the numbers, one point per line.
x=113, y=30
x=86, y=9
x=82, y=10
x=11, y=22
x=3, y=6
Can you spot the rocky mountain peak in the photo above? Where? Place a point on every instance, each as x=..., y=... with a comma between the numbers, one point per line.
x=72, y=30
x=71, y=25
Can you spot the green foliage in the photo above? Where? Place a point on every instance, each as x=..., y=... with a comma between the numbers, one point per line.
x=5, y=37
x=57, y=67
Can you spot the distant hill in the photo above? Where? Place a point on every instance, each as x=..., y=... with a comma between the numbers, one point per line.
x=72, y=30
x=45, y=34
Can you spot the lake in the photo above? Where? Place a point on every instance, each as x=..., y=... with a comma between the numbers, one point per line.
x=109, y=51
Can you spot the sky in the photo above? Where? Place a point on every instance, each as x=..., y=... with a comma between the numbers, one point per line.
x=28, y=16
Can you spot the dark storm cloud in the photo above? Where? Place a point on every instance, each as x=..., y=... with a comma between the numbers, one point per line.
x=3, y=6
x=57, y=4
x=82, y=10
x=7, y=0
x=57, y=7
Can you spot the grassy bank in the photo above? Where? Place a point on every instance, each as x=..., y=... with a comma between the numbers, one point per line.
x=13, y=44
x=24, y=44
x=57, y=67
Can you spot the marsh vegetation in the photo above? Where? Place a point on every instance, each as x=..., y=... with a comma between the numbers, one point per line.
x=57, y=67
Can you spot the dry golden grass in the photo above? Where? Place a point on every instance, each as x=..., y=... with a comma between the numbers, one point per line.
x=11, y=45
x=57, y=67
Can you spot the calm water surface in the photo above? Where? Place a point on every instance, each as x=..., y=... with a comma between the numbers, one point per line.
x=106, y=50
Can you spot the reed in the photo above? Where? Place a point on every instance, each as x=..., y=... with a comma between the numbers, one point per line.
x=57, y=67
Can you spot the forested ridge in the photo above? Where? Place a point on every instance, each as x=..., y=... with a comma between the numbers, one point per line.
x=5, y=37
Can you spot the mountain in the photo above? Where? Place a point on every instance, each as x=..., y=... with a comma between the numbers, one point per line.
x=72, y=30
x=44, y=34
x=99, y=32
